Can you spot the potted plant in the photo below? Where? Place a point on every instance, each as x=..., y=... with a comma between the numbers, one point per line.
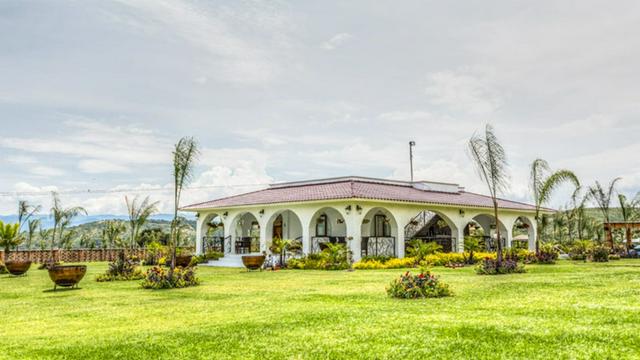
x=10, y=238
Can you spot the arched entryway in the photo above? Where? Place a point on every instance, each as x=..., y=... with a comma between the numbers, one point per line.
x=245, y=230
x=523, y=233
x=430, y=226
x=484, y=225
x=327, y=226
x=213, y=235
x=379, y=231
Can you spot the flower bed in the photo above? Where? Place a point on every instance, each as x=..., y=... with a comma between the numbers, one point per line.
x=122, y=269
x=418, y=286
x=490, y=267
x=158, y=278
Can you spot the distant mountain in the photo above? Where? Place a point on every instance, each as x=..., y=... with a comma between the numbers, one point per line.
x=47, y=222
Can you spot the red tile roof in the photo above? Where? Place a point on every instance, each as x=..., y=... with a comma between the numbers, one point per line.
x=357, y=188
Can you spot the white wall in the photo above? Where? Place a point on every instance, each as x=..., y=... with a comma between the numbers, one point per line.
x=400, y=213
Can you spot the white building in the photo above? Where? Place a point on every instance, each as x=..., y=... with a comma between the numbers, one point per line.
x=371, y=216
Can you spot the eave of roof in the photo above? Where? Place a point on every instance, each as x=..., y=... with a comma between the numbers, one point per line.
x=357, y=188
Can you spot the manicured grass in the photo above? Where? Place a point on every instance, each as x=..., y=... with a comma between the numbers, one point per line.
x=569, y=310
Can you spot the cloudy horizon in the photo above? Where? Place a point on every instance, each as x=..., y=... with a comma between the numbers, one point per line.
x=94, y=94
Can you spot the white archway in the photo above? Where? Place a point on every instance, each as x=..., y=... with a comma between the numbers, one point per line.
x=327, y=225
x=379, y=232
x=245, y=233
x=433, y=226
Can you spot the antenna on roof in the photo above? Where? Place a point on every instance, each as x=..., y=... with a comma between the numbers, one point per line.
x=411, y=145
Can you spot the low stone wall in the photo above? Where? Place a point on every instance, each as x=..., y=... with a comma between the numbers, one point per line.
x=78, y=255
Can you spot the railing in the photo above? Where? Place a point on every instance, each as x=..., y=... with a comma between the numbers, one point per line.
x=246, y=245
x=417, y=223
x=378, y=246
x=448, y=243
x=213, y=243
x=318, y=243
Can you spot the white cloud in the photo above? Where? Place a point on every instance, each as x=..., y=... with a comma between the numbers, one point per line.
x=462, y=91
x=43, y=170
x=337, y=41
x=95, y=166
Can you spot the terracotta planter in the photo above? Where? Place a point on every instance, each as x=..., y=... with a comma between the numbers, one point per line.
x=17, y=267
x=183, y=261
x=253, y=262
x=67, y=275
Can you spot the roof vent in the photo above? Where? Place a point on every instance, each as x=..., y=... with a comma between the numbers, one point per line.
x=436, y=186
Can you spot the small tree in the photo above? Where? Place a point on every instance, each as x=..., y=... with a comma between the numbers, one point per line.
x=184, y=157
x=602, y=197
x=280, y=246
x=62, y=218
x=9, y=237
x=419, y=249
x=471, y=245
x=138, y=214
x=543, y=184
x=111, y=233
x=491, y=164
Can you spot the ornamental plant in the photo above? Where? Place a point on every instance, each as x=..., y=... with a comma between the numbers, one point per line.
x=157, y=278
x=123, y=268
x=491, y=266
x=418, y=286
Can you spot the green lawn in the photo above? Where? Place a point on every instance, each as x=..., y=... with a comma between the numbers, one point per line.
x=570, y=310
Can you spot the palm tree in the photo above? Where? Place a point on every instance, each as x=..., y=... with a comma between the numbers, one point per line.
x=62, y=218
x=9, y=237
x=111, y=233
x=543, y=183
x=25, y=212
x=138, y=216
x=184, y=157
x=491, y=164
x=602, y=198
x=32, y=227
x=629, y=209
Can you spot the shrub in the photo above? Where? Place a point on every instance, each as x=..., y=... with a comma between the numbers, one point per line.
x=420, y=249
x=371, y=263
x=614, y=257
x=3, y=269
x=580, y=250
x=158, y=278
x=122, y=268
x=209, y=255
x=599, y=254
x=422, y=285
x=441, y=259
x=334, y=257
x=380, y=258
x=490, y=267
x=547, y=254
x=154, y=252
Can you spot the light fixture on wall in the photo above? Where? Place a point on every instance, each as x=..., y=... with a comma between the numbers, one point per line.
x=461, y=212
x=197, y=215
x=261, y=212
x=348, y=209
x=226, y=213
x=340, y=221
x=359, y=209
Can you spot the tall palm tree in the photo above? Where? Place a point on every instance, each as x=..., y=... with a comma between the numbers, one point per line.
x=62, y=218
x=184, y=157
x=580, y=215
x=111, y=233
x=543, y=184
x=602, y=197
x=138, y=213
x=491, y=164
x=629, y=210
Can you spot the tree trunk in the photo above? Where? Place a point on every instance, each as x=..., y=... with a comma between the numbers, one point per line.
x=498, y=239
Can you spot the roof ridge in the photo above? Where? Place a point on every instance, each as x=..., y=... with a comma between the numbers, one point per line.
x=224, y=198
x=507, y=200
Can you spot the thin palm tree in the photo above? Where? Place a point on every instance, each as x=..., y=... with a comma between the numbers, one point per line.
x=629, y=209
x=138, y=214
x=491, y=163
x=62, y=218
x=602, y=197
x=543, y=184
x=184, y=157
x=25, y=212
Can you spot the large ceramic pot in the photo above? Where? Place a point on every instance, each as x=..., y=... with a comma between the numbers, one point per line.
x=67, y=275
x=253, y=262
x=17, y=267
x=183, y=260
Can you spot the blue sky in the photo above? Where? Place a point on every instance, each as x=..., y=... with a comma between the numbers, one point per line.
x=94, y=93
